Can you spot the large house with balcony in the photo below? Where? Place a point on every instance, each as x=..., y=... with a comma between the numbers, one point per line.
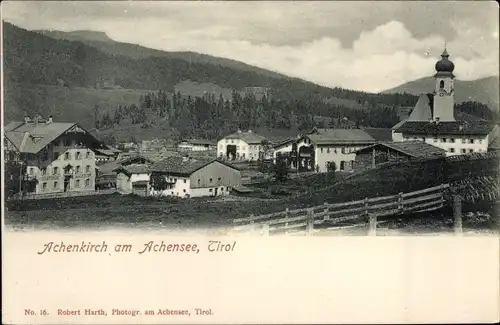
x=186, y=177
x=322, y=147
x=434, y=121
x=59, y=157
x=240, y=146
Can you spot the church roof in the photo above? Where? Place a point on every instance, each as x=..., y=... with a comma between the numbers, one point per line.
x=446, y=128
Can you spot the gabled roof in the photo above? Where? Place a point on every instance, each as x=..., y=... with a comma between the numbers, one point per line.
x=414, y=149
x=446, y=128
x=340, y=136
x=249, y=137
x=134, y=169
x=33, y=137
x=379, y=134
x=285, y=142
x=183, y=166
x=132, y=158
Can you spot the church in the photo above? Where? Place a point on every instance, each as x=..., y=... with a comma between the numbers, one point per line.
x=434, y=121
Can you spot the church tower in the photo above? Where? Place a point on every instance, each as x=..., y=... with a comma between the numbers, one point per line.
x=444, y=90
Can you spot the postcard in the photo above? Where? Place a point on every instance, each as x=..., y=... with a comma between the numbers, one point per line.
x=221, y=162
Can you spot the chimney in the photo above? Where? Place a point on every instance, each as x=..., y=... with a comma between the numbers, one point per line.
x=49, y=119
x=239, y=131
x=249, y=131
x=27, y=119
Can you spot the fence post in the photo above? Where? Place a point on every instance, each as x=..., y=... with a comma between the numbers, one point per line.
x=457, y=214
x=372, y=225
x=310, y=222
x=400, y=202
x=265, y=229
x=286, y=223
x=326, y=216
x=252, y=223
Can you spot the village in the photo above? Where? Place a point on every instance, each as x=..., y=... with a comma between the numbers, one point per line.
x=49, y=159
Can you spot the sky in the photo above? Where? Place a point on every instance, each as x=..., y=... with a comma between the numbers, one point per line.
x=370, y=46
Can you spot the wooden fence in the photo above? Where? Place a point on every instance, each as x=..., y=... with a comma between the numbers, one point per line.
x=303, y=221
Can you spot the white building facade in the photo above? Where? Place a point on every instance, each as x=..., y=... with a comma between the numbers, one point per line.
x=240, y=146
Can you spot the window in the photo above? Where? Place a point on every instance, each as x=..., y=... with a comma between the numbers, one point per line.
x=471, y=140
x=78, y=156
x=219, y=179
x=452, y=149
x=55, y=185
x=443, y=140
x=87, y=155
x=77, y=183
x=87, y=182
x=87, y=169
x=343, y=150
x=55, y=171
x=56, y=155
x=44, y=186
x=463, y=140
x=45, y=155
x=471, y=150
x=184, y=190
x=221, y=189
x=423, y=139
x=210, y=180
x=210, y=190
x=66, y=156
x=184, y=181
x=44, y=171
x=321, y=150
x=67, y=142
x=199, y=181
x=480, y=141
x=463, y=150
x=31, y=171
x=452, y=140
x=441, y=84
x=327, y=150
x=78, y=169
x=435, y=139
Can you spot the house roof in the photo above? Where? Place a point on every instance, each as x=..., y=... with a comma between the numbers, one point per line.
x=414, y=149
x=284, y=142
x=332, y=136
x=379, y=134
x=495, y=144
x=134, y=169
x=199, y=142
x=106, y=152
x=33, y=137
x=183, y=165
x=132, y=158
x=109, y=168
x=249, y=137
x=446, y=128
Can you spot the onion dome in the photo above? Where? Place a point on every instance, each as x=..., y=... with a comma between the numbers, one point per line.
x=444, y=65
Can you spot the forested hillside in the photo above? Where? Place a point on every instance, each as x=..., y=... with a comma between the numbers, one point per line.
x=125, y=95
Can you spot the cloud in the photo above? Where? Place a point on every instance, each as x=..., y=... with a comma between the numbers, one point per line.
x=368, y=46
